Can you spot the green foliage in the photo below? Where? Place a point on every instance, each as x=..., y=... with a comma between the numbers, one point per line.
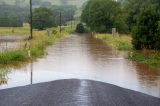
x=157, y=56
x=54, y=31
x=80, y=28
x=37, y=52
x=120, y=43
x=103, y=15
x=13, y=16
x=42, y=18
x=68, y=12
x=8, y=56
x=37, y=48
x=143, y=18
x=149, y=59
x=138, y=57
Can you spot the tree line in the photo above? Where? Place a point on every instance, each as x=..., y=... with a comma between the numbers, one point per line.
x=13, y=16
x=138, y=17
x=43, y=16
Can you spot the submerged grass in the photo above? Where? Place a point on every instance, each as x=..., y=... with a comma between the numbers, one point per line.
x=124, y=43
x=34, y=48
x=18, y=55
x=152, y=60
x=121, y=43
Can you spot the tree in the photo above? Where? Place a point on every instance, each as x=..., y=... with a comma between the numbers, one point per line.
x=13, y=16
x=144, y=18
x=68, y=13
x=42, y=18
x=103, y=15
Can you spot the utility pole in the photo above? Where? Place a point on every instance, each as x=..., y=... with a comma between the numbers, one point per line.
x=71, y=23
x=31, y=79
x=60, y=22
x=31, y=22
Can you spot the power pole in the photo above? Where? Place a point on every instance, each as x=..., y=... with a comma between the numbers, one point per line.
x=60, y=22
x=31, y=22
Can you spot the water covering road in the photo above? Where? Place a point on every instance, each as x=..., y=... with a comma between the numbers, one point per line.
x=84, y=57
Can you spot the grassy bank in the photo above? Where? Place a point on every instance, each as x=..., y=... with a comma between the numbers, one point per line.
x=33, y=49
x=121, y=43
x=15, y=31
x=151, y=58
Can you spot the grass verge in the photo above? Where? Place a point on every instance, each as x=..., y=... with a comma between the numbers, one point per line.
x=151, y=59
x=36, y=46
x=15, y=30
x=121, y=43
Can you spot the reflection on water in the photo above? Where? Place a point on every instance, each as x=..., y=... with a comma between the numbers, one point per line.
x=3, y=75
x=85, y=57
x=10, y=45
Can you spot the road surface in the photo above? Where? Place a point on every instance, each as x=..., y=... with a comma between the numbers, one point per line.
x=74, y=92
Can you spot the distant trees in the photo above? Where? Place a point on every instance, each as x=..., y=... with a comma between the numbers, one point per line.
x=103, y=15
x=42, y=18
x=10, y=22
x=68, y=12
x=45, y=16
x=13, y=16
x=48, y=17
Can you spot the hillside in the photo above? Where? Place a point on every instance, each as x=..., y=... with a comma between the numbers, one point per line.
x=54, y=2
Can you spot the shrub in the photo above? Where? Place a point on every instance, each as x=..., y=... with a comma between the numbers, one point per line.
x=80, y=28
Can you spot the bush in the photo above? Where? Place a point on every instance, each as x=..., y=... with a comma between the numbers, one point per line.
x=80, y=28
x=103, y=15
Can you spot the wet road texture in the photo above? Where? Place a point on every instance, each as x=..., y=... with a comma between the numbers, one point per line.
x=74, y=92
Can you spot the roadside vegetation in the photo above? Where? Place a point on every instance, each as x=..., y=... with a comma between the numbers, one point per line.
x=151, y=59
x=46, y=21
x=25, y=30
x=121, y=43
x=139, y=21
x=33, y=48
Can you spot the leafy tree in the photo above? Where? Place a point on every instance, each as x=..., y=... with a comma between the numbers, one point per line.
x=13, y=16
x=42, y=18
x=103, y=15
x=144, y=20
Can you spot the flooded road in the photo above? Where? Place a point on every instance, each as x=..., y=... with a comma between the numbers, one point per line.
x=84, y=57
x=10, y=42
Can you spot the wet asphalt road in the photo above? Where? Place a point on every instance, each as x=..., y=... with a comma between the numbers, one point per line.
x=74, y=92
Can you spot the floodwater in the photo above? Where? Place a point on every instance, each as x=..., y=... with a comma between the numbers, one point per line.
x=10, y=45
x=84, y=57
x=9, y=42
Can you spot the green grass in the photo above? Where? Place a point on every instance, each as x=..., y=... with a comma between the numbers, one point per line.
x=153, y=60
x=121, y=43
x=124, y=43
x=18, y=55
x=37, y=47
x=25, y=30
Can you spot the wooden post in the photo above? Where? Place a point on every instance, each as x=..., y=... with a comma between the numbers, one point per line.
x=114, y=31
